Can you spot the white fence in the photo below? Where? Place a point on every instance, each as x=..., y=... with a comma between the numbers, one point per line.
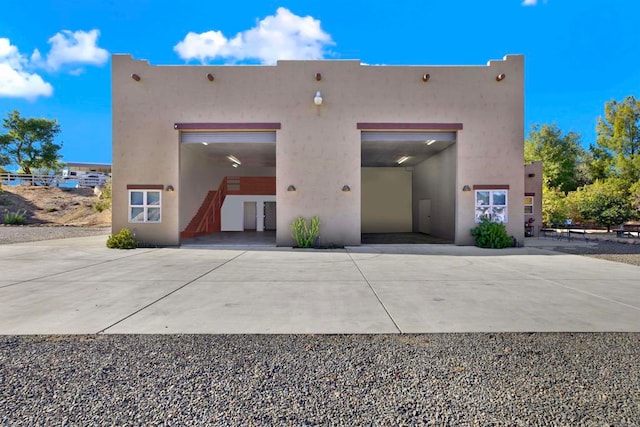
x=52, y=180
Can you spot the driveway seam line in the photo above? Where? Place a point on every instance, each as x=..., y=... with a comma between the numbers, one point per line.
x=77, y=269
x=169, y=294
x=375, y=293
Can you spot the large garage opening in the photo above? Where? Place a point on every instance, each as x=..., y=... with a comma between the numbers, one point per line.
x=227, y=187
x=408, y=186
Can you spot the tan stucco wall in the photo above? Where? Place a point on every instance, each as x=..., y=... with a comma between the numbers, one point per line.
x=386, y=200
x=435, y=180
x=533, y=184
x=318, y=148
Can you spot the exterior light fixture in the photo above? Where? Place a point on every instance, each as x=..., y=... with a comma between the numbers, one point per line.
x=135, y=77
x=426, y=77
x=402, y=159
x=346, y=188
x=291, y=188
x=169, y=188
x=500, y=77
x=318, y=76
x=235, y=160
x=431, y=141
x=210, y=77
x=318, y=98
x=466, y=188
x=531, y=175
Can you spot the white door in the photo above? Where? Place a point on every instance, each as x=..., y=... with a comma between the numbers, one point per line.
x=424, y=216
x=250, y=216
x=269, y=215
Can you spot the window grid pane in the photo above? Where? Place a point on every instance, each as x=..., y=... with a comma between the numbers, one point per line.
x=491, y=204
x=145, y=206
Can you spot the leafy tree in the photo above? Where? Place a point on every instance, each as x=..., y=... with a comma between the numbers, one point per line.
x=554, y=206
x=29, y=142
x=635, y=198
x=618, y=140
x=604, y=202
x=561, y=156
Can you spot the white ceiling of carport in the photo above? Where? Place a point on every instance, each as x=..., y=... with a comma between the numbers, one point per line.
x=379, y=149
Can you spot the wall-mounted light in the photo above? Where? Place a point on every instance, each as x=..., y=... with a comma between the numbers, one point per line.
x=291, y=188
x=426, y=77
x=318, y=98
x=318, y=76
x=169, y=188
x=531, y=175
x=500, y=77
x=466, y=188
x=135, y=77
x=402, y=159
x=430, y=141
x=210, y=77
x=346, y=188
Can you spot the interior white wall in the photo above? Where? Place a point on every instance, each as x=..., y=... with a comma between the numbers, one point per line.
x=435, y=180
x=386, y=200
x=199, y=174
x=232, y=212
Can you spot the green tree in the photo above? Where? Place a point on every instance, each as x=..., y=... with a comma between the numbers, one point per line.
x=29, y=142
x=561, y=156
x=618, y=140
x=604, y=202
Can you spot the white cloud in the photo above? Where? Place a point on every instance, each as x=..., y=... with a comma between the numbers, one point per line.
x=529, y=2
x=72, y=48
x=15, y=81
x=280, y=36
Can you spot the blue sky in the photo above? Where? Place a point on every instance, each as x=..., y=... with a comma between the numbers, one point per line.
x=55, y=54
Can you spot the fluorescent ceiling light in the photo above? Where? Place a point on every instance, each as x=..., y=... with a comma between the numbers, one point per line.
x=402, y=159
x=205, y=143
x=431, y=141
x=234, y=159
x=235, y=165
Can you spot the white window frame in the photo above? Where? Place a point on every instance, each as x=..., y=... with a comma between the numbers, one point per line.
x=528, y=205
x=491, y=206
x=145, y=206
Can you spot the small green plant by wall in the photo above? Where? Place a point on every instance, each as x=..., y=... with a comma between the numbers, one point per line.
x=125, y=239
x=306, y=233
x=492, y=235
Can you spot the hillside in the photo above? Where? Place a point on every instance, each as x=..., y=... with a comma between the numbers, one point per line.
x=53, y=206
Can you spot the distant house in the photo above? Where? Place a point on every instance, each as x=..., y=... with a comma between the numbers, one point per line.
x=369, y=149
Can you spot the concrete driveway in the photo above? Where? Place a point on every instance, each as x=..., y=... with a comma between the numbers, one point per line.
x=78, y=286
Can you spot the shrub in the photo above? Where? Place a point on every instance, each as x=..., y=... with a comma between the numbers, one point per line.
x=304, y=233
x=15, y=218
x=491, y=235
x=125, y=239
x=104, y=201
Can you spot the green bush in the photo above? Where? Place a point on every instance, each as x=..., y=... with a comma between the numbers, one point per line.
x=491, y=235
x=15, y=218
x=304, y=233
x=125, y=239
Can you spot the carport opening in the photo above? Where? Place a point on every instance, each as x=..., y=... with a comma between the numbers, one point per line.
x=408, y=187
x=227, y=187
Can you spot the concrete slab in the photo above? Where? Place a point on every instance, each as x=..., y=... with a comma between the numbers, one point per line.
x=81, y=307
x=79, y=286
x=264, y=307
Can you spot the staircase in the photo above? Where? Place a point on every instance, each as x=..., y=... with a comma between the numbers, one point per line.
x=207, y=219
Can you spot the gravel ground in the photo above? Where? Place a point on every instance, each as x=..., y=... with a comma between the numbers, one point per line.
x=628, y=253
x=434, y=379
x=20, y=234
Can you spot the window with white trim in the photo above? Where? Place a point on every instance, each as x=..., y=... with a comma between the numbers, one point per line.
x=491, y=204
x=528, y=205
x=144, y=205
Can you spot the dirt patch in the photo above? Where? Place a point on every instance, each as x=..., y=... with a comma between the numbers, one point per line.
x=54, y=206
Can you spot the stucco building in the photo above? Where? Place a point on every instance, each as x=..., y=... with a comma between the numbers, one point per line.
x=369, y=149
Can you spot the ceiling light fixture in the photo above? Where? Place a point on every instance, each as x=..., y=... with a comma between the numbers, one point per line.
x=205, y=143
x=431, y=141
x=402, y=159
x=234, y=160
